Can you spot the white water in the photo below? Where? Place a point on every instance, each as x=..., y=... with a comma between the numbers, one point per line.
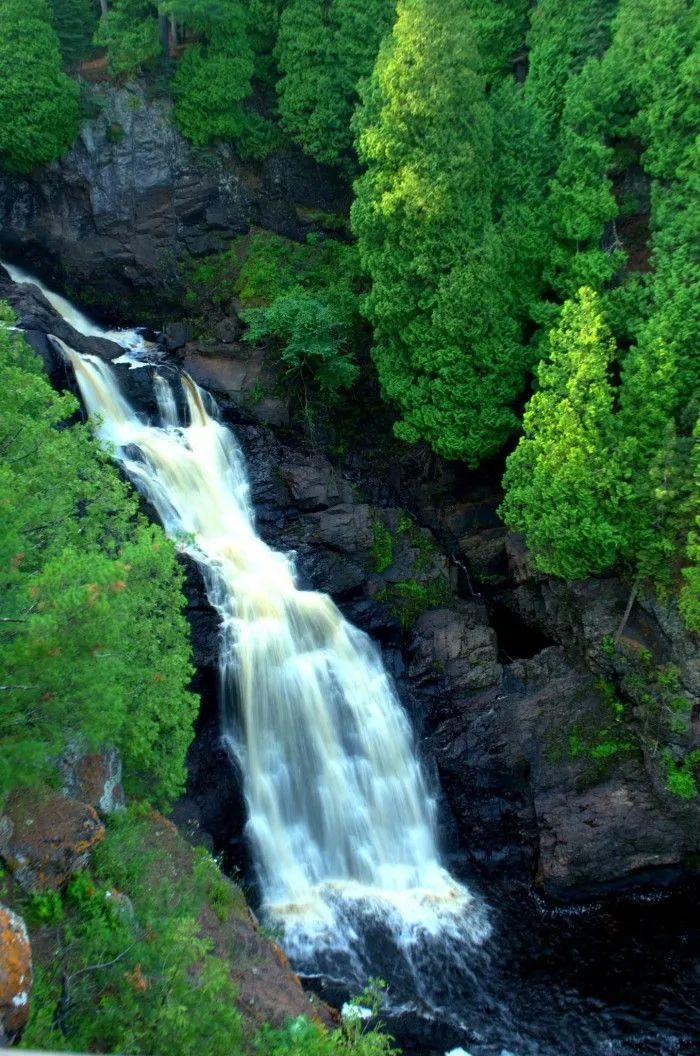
x=131, y=340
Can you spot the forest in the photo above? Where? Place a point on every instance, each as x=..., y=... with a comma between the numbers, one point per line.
x=519, y=271
x=525, y=185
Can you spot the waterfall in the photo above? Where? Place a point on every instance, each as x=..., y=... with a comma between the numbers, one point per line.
x=337, y=801
x=131, y=340
x=341, y=823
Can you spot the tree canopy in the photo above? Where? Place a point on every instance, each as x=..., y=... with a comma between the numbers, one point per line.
x=94, y=646
x=38, y=102
x=446, y=332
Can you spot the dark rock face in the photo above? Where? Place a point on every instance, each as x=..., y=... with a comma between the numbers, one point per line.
x=112, y=217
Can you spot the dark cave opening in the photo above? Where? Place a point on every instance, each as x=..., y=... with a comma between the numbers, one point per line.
x=517, y=640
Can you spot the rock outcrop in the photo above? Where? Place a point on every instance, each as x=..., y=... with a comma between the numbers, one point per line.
x=15, y=975
x=94, y=778
x=111, y=218
x=43, y=841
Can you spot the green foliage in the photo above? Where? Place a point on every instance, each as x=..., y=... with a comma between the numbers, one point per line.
x=602, y=474
x=304, y=301
x=447, y=338
x=207, y=87
x=680, y=779
x=38, y=103
x=560, y=480
x=45, y=907
x=78, y=565
x=75, y=22
x=500, y=33
x=132, y=972
x=129, y=32
x=138, y=979
x=382, y=553
x=309, y=335
x=409, y=598
x=323, y=50
x=214, y=77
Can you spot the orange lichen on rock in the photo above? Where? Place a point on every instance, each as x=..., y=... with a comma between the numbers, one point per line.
x=15, y=973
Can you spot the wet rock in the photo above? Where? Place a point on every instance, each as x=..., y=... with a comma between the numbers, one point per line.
x=346, y=527
x=44, y=841
x=175, y=336
x=115, y=214
x=314, y=484
x=38, y=319
x=15, y=975
x=228, y=330
x=94, y=778
x=457, y=644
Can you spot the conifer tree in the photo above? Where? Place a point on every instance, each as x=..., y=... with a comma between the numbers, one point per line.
x=94, y=647
x=447, y=339
x=38, y=103
x=323, y=50
x=75, y=22
x=561, y=479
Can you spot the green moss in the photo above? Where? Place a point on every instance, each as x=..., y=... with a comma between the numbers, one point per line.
x=114, y=133
x=681, y=780
x=382, y=552
x=408, y=599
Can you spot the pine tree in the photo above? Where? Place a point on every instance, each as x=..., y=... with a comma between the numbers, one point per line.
x=131, y=35
x=38, y=103
x=323, y=51
x=75, y=22
x=447, y=338
x=561, y=479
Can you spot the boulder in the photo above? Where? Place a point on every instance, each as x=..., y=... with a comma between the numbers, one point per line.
x=314, y=484
x=44, y=841
x=175, y=336
x=457, y=645
x=345, y=527
x=15, y=975
x=94, y=778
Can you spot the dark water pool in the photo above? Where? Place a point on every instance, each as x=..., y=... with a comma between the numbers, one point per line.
x=610, y=979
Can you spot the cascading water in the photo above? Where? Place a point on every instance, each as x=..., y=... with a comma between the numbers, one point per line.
x=340, y=819
x=131, y=340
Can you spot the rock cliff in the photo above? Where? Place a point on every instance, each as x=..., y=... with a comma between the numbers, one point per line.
x=110, y=221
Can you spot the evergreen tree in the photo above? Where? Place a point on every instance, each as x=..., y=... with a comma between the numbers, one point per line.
x=94, y=645
x=690, y=591
x=323, y=50
x=130, y=33
x=561, y=479
x=75, y=22
x=447, y=340
x=38, y=103
x=500, y=34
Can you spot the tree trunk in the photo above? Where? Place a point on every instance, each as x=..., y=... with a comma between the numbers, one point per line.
x=164, y=27
x=628, y=609
x=104, y=6
x=173, y=34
